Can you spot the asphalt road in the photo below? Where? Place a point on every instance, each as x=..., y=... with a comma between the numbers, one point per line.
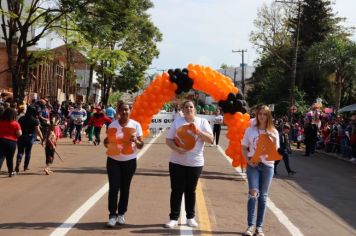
x=318, y=200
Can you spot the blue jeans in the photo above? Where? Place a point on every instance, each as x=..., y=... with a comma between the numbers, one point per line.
x=24, y=145
x=259, y=179
x=78, y=135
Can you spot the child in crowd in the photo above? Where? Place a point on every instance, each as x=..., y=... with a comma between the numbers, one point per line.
x=98, y=120
x=50, y=142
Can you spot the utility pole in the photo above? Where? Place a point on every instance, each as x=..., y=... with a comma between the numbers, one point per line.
x=242, y=70
x=295, y=55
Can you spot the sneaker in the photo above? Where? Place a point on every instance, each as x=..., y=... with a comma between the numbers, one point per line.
x=249, y=231
x=74, y=142
x=292, y=173
x=46, y=170
x=353, y=159
x=259, y=231
x=192, y=223
x=90, y=142
x=171, y=224
x=121, y=219
x=112, y=222
x=94, y=142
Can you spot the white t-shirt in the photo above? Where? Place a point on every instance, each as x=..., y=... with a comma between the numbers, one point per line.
x=218, y=119
x=193, y=157
x=250, y=140
x=119, y=134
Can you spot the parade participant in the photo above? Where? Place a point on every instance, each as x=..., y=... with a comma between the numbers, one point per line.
x=186, y=138
x=218, y=121
x=259, y=175
x=89, y=128
x=30, y=126
x=50, y=142
x=9, y=132
x=98, y=120
x=110, y=112
x=78, y=116
x=284, y=149
x=122, y=167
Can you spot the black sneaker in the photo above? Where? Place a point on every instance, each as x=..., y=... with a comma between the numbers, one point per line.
x=291, y=173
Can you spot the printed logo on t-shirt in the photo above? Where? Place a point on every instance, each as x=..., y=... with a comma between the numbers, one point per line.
x=186, y=136
x=122, y=145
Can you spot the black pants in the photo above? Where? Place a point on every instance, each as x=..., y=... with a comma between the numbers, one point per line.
x=184, y=179
x=97, y=131
x=7, y=150
x=120, y=174
x=286, y=162
x=309, y=147
x=216, y=132
x=78, y=135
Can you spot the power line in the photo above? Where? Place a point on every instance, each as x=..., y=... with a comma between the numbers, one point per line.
x=242, y=70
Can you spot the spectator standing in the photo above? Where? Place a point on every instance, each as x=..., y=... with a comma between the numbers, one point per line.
x=10, y=130
x=284, y=149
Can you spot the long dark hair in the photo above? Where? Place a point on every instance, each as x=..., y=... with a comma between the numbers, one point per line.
x=9, y=115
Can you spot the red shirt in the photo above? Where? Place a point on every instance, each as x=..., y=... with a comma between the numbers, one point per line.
x=8, y=129
x=98, y=120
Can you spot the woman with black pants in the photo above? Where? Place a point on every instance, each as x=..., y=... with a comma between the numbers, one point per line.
x=121, y=167
x=218, y=120
x=10, y=130
x=186, y=138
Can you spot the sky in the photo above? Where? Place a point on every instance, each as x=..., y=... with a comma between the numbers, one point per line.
x=206, y=31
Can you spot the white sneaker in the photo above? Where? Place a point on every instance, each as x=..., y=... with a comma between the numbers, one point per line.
x=353, y=159
x=171, y=224
x=112, y=222
x=259, y=231
x=249, y=231
x=121, y=219
x=192, y=223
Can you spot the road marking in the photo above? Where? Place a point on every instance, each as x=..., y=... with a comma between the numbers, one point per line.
x=204, y=222
x=293, y=230
x=83, y=209
x=184, y=229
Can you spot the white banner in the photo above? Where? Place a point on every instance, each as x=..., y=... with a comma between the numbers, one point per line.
x=162, y=121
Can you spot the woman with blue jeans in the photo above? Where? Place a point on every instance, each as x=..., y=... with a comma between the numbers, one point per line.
x=259, y=175
x=30, y=126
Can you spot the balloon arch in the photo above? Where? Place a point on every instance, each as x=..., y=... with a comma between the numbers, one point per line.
x=220, y=87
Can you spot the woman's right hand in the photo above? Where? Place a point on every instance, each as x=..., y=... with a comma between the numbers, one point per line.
x=180, y=150
x=252, y=164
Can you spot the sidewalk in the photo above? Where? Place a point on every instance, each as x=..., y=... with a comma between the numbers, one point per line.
x=329, y=154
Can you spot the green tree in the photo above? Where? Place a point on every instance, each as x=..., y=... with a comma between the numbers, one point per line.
x=336, y=56
x=18, y=21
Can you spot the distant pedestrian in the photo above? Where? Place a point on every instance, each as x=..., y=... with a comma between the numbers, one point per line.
x=98, y=120
x=218, y=121
x=10, y=131
x=78, y=116
x=50, y=147
x=30, y=126
x=284, y=149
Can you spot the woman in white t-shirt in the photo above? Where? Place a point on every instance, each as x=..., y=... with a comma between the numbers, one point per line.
x=218, y=121
x=259, y=175
x=122, y=167
x=186, y=138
